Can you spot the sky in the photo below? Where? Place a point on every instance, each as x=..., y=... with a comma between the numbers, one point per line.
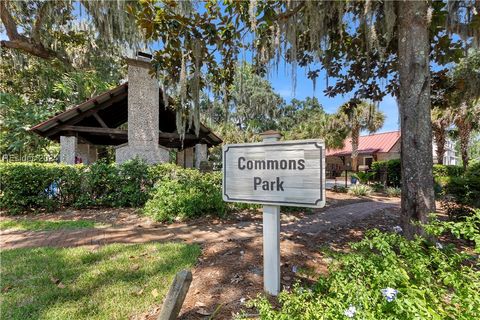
x=282, y=83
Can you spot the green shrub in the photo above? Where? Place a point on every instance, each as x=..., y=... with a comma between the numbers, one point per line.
x=241, y=206
x=339, y=189
x=47, y=186
x=364, y=177
x=467, y=228
x=466, y=189
x=101, y=184
x=393, y=191
x=135, y=182
x=432, y=281
x=377, y=186
x=25, y=186
x=360, y=190
x=441, y=170
x=189, y=194
x=390, y=170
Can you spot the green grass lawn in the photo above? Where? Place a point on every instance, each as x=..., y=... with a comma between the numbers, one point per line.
x=114, y=282
x=41, y=225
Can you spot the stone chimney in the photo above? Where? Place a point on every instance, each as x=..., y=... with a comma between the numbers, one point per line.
x=143, y=114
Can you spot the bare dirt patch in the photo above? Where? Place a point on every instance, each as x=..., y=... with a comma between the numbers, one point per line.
x=119, y=217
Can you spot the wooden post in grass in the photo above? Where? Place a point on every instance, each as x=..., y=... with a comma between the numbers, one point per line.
x=176, y=295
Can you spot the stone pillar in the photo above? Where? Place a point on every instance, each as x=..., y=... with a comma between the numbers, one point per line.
x=200, y=154
x=181, y=158
x=143, y=105
x=188, y=158
x=143, y=116
x=68, y=149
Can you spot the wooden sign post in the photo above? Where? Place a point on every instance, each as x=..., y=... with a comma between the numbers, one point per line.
x=271, y=238
x=274, y=173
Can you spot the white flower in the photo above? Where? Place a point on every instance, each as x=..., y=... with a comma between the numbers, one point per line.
x=389, y=293
x=350, y=312
x=294, y=269
x=439, y=246
x=397, y=229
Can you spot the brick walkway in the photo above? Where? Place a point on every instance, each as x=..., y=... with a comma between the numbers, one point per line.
x=314, y=223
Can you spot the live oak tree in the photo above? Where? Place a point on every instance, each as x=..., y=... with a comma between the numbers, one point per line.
x=43, y=28
x=56, y=54
x=253, y=102
x=306, y=119
x=360, y=44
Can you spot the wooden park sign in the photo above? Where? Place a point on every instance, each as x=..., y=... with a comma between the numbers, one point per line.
x=274, y=173
x=287, y=173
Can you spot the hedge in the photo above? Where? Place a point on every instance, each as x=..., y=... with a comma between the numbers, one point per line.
x=441, y=170
x=168, y=192
x=40, y=186
x=390, y=168
x=466, y=189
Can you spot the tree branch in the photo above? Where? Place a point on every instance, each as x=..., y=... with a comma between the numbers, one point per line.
x=38, y=22
x=287, y=14
x=8, y=21
x=28, y=45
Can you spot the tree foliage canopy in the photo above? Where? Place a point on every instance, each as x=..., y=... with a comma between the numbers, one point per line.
x=355, y=42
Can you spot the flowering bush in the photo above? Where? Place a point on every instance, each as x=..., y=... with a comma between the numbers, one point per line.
x=386, y=276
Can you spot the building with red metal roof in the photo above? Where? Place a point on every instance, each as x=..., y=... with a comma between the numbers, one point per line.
x=374, y=147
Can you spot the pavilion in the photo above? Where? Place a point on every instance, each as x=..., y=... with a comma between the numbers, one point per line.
x=131, y=117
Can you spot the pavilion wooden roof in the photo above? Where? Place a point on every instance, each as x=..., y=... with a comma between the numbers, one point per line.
x=96, y=121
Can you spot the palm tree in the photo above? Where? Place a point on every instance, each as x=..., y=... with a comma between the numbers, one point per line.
x=466, y=118
x=466, y=80
x=442, y=119
x=357, y=115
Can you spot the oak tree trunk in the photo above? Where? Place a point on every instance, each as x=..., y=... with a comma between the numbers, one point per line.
x=414, y=100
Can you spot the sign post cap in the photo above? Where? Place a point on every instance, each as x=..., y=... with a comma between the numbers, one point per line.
x=271, y=134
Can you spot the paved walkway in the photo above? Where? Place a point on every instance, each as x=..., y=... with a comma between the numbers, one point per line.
x=314, y=223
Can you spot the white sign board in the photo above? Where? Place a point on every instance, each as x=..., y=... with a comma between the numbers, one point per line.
x=286, y=173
